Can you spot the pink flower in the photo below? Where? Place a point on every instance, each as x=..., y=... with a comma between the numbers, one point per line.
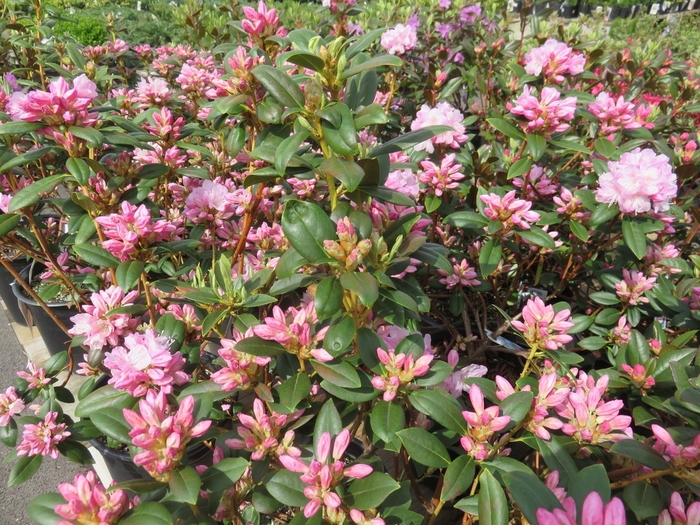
x=614, y=113
x=242, y=370
x=162, y=433
x=398, y=40
x=455, y=383
x=359, y=518
x=482, y=424
x=439, y=179
x=60, y=105
x=348, y=250
x=594, y=512
x=398, y=371
x=41, y=438
x=680, y=456
x=556, y=59
x=36, y=377
x=678, y=514
x=88, y=502
x=535, y=184
x=145, y=364
x=260, y=23
x=441, y=115
x=639, y=182
x=545, y=115
x=620, y=335
x=404, y=181
x=462, y=274
x=10, y=405
x=638, y=376
x=542, y=328
x=325, y=472
x=509, y=211
x=153, y=91
x=211, y=202
x=632, y=286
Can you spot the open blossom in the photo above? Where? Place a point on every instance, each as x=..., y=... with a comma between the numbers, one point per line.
x=145, y=364
x=545, y=115
x=620, y=335
x=555, y=59
x=398, y=371
x=36, y=377
x=594, y=512
x=153, y=91
x=542, y=328
x=482, y=424
x=462, y=274
x=261, y=433
x=210, y=202
x=88, y=503
x=41, y=438
x=679, y=514
x=639, y=182
x=162, y=432
x=571, y=206
x=10, y=405
x=325, y=472
x=535, y=184
x=509, y=211
x=442, y=178
x=99, y=327
x=242, y=370
x=614, y=113
x=441, y=115
x=632, y=287
x=399, y=39
x=455, y=382
x=403, y=181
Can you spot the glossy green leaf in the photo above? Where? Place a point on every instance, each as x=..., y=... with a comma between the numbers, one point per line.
x=516, y=406
x=327, y=420
x=25, y=158
x=41, y=509
x=8, y=222
x=128, y=274
x=493, y=505
x=184, y=485
x=24, y=468
x=19, y=127
x=363, y=284
x=340, y=373
x=506, y=128
x=104, y=397
x=643, y=499
x=79, y=169
x=538, y=237
x=339, y=335
x=605, y=147
x=530, y=494
x=490, y=257
x=293, y=390
x=557, y=458
x=286, y=487
x=593, y=478
x=440, y=406
x=258, y=346
x=111, y=422
x=458, y=478
x=94, y=138
x=346, y=171
x=372, y=63
x=287, y=148
x=280, y=86
x=9, y=433
x=31, y=194
x=424, y=448
x=409, y=139
x=302, y=58
x=579, y=230
x=519, y=167
x=635, y=238
x=306, y=226
x=329, y=297
x=604, y=298
x=151, y=512
x=536, y=145
x=386, y=419
x=223, y=474
x=96, y=256
x=371, y=491
x=365, y=393
x=641, y=453
x=467, y=220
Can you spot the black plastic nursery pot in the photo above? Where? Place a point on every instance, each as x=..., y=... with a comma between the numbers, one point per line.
x=6, y=293
x=584, y=8
x=568, y=11
x=54, y=338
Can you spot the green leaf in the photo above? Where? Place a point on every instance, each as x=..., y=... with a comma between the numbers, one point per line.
x=23, y=469
x=363, y=284
x=303, y=59
x=365, y=393
x=286, y=487
x=579, y=230
x=517, y=406
x=329, y=298
x=173, y=329
x=339, y=336
x=104, y=397
x=371, y=115
x=306, y=226
x=280, y=86
x=538, y=237
x=41, y=509
x=258, y=346
x=424, y=447
x=530, y=494
x=184, y=485
x=293, y=390
x=467, y=220
x=490, y=257
x=519, y=168
x=641, y=453
x=592, y=343
x=593, y=478
x=341, y=374
x=570, y=145
x=371, y=491
x=8, y=222
x=607, y=316
x=151, y=512
x=138, y=486
x=440, y=406
x=536, y=144
x=372, y=63
x=638, y=351
x=287, y=148
x=458, y=478
x=346, y=171
x=386, y=419
x=506, y=128
x=31, y=194
x=338, y=128
x=557, y=458
x=96, y=256
x=605, y=147
x=328, y=420
x=94, y=138
x=19, y=127
x=643, y=499
x=603, y=213
x=111, y=422
x=604, y=298
x=407, y=140
x=635, y=239
x=25, y=158
x=493, y=505
x=9, y=433
x=223, y=474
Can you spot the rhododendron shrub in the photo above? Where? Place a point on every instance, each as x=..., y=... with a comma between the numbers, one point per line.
x=431, y=263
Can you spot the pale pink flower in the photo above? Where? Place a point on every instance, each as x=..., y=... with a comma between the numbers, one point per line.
x=482, y=424
x=10, y=405
x=546, y=115
x=442, y=178
x=542, y=328
x=594, y=512
x=97, y=325
x=359, y=518
x=455, y=382
x=556, y=59
x=261, y=23
x=398, y=371
x=41, y=438
x=404, y=181
x=680, y=456
x=535, y=184
x=462, y=274
x=639, y=182
x=509, y=211
x=211, y=202
x=655, y=254
x=620, y=335
x=571, y=206
x=162, y=432
x=242, y=370
x=153, y=91
x=261, y=433
x=679, y=514
x=36, y=377
x=632, y=287
x=441, y=115
x=399, y=39
x=145, y=364
x=325, y=472
x=613, y=113
x=88, y=503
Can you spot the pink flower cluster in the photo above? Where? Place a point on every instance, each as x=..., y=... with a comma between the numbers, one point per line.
x=613, y=113
x=640, y=181
x=535, y=184
x=42, y=437
x=556, y=59
x=442, y=178
x=594, y=512
x=97, y=325
x=212, y=202
x=398, y=371
x=680, y=456
x=145, y=364
x=10, y=405
x=242, y=370
x=88, y=503
x=545, y=115
x=347, y=250
x=325, y=472
x=261, y=23
x=511, y=212
x=679, y=514
x=261, y=434
x=632, y=287
x=293, y=331
x=162, y=433
x=441, y=115
x=482, y=424
x=542, y=328
x=399, y=39
x=462, y=275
